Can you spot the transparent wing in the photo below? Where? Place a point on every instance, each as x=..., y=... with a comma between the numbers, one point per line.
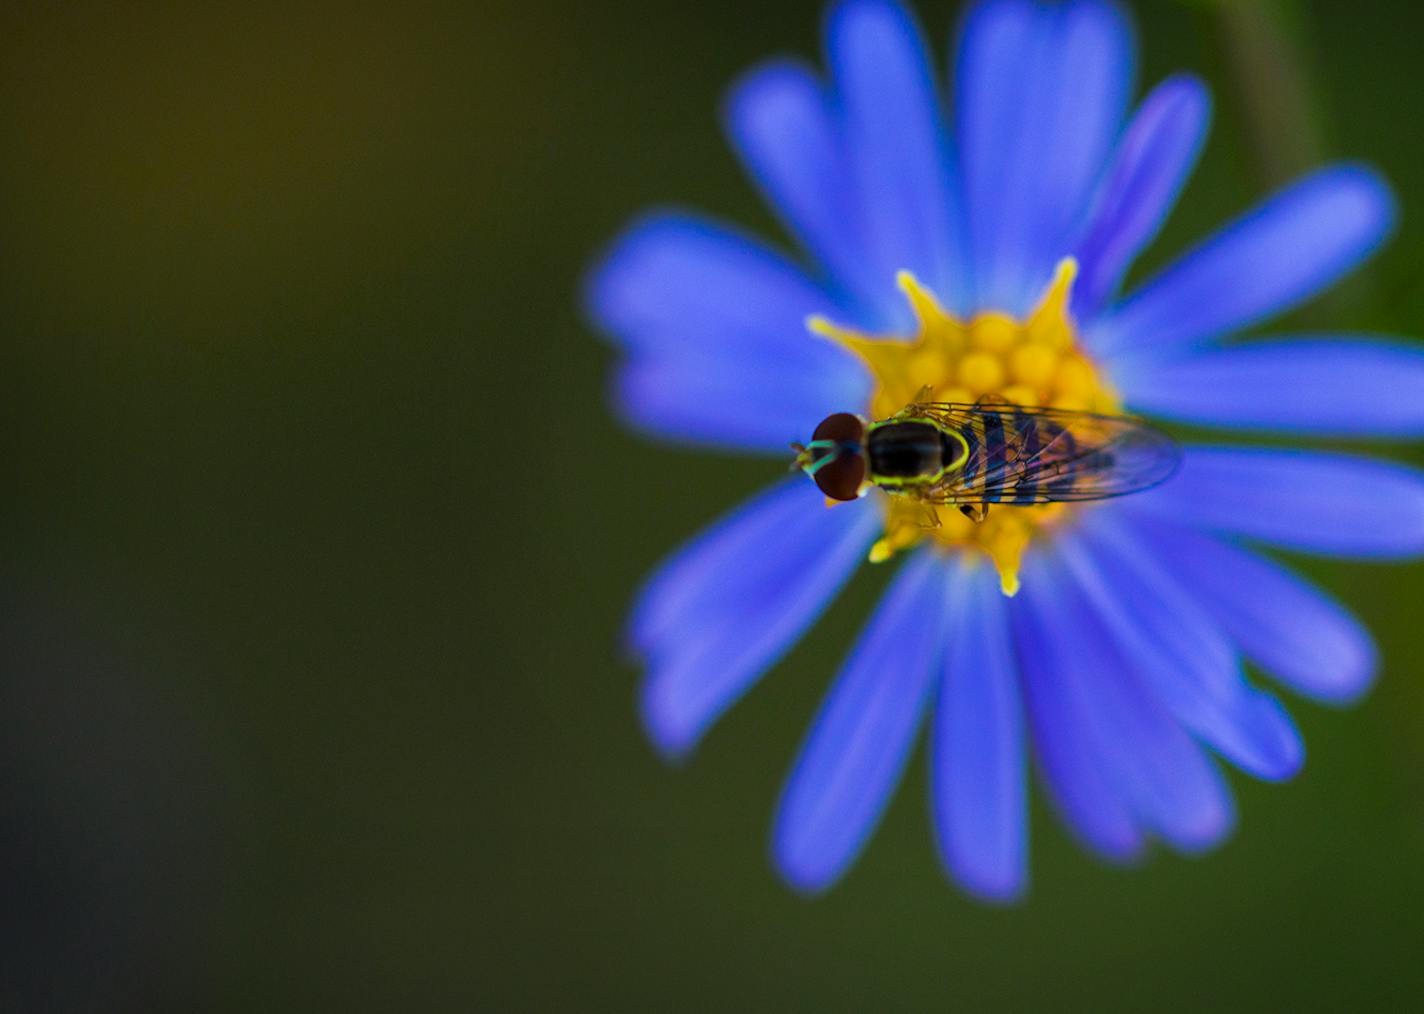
x=1039, y=455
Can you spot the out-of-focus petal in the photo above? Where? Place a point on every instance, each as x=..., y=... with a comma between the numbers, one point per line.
x=1041, y=93
x=1153, y=160
x=726, y=405
x=715, y=325
x=1170, y=787
x=718, y=614
x=1179, y=654
x=858, y=746
x=1289, y=627
x=788, y=133
x=979, y=753
x=682, y=287
x=1076, y=762
x=897, y=151
x=1283, y=252
x=1334, y=504
x=1350, y=386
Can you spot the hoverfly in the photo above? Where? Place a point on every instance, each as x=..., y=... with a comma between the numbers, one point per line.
x=973, y=456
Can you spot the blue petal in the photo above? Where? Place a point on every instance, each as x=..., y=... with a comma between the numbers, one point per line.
x=980, y=804
x=1336, y=504
x=684, y=287
x=725, y=608
x=1175, y=789
x=1289, y=627
x=716, y=327
x=896, y=148
x=1076, y=764
x=1334, y=386
x=1179, y=652
x=1169, y=785
x=788, y=133
x=1153, y=160
x=1041, y=94
x=858, y=746
x=1283, y=252
x=729, y=405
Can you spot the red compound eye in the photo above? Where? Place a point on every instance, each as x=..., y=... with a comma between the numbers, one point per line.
x=840, y=477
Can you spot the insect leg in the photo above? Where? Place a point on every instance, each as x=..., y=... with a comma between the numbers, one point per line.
x=975, y=512
x=917, y=406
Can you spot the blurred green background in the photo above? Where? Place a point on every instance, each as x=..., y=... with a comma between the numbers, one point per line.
x=318, y=537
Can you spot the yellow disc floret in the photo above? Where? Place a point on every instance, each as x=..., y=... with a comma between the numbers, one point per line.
x=1033, y=362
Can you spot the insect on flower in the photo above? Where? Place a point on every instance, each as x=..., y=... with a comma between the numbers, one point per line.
x=963, y=244
x=972, y=456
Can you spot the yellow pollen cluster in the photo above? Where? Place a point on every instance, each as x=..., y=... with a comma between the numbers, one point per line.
x=1033, y=362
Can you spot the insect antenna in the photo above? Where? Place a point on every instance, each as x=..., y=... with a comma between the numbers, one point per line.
x=806, y=458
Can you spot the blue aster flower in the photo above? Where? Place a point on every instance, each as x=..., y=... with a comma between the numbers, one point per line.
x=982, y=254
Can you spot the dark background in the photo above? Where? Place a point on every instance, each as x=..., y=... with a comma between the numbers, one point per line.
x=319, y=534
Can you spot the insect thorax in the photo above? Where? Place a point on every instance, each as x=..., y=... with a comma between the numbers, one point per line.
x=912, y=452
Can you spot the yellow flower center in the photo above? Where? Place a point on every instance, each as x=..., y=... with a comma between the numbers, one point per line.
x=1035, y=362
